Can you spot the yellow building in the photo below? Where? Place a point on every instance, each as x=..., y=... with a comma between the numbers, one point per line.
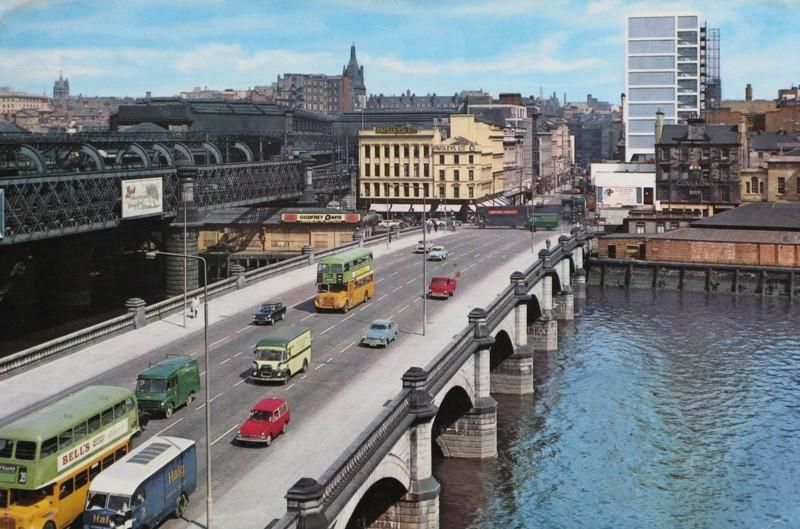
x=402, y=166
x=13, y=102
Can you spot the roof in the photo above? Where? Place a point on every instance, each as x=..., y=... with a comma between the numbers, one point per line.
x=123, y=477
x=56, y=417
x=756, y=216
x=715, y=235
x=714, y=134
x=282, y=337
x=269, y=404
x=349, y=255
x=166, y=367
x=7, y=126
x=772, y=141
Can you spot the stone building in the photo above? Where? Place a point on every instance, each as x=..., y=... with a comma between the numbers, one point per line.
x=316, y=92
x=777, y=180
x=518, y=139
x=60, y=87
x=11, y=102
x=357, y=89
x=697, y=167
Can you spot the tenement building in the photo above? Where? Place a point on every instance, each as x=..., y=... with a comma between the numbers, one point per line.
x=697, y=169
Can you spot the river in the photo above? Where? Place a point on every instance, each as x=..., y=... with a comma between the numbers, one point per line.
x=659, y=410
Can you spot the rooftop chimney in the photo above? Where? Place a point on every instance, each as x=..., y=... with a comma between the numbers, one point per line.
x=748, y=93
x=659, y=125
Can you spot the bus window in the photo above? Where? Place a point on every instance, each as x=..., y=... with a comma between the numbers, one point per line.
x=3, y=498
x=108, y=416
x=49, y=447
x=65, y=490
x=108, y=461
x=26, y=450
x=94, y=423
x=26, y=498
x=322, y=287
x=80, y=431
x=129, y=405
x=81, y=479
x=94, y=470
x=65, y=438
x=119, y=410
x=6, y=446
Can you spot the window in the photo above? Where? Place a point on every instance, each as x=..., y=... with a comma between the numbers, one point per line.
x=416, y=189
x=377, y=150
x=366, y=190
x=49, y=447
x=747, y=187
x=456, y=193
x=366, y=151
x=455, y=159
x=471, y=192
x=119, y=410
x=761, y=187
x=6, y=448
x=416, y=151
x=65, y=437
x=377, y=169
x=674, y=225
x=25, y=450
x=80, y=431
x=65, y=489
x=108, y=461
x=406, y=190
x=94, y=470
x=651, y=78
x=471, y=175
x=471, y=159
x=120, y=453
x=455, y=175
x=441, y=192
x=108, y=415
x=405, y=152
x=651, y=94
x=425, y=151
x=650, y=27
x=386, y=190
x=94, y=423
x=640, y=226
x=397, y=190
x=426, y=170
x=441, y=175
x=397, y=151
x=405, y=169
x=397, y=169
x=781, y=185
x=441, y=159
x=416, y=170
x=386, y=152
x=660, y=227
x=81, y=479
x=425, y=190
x=655, y=62
x=377, y=187
x=651, y=46
x=386, y=170
x=367, y=170
x=129, y=406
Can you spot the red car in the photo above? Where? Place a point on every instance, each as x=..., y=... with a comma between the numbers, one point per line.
x=442, y=287
x=268, y=419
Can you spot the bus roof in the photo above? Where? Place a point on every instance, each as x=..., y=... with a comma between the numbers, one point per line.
x=166, y=367
x=54, y=418
x=346, y=257
x=282, y=337
x=123, y=477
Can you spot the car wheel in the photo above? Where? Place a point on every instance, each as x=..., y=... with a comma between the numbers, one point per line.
x=285, y=427
x=168, y=411
x=305, y=366
x=268, y=440
x=281, y=315
x=180, y=506
x=190, y=398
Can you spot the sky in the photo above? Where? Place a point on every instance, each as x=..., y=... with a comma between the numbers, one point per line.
x=129, y=47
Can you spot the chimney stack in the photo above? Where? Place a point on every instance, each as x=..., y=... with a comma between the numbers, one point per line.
x=659, y=126
x=748, y=93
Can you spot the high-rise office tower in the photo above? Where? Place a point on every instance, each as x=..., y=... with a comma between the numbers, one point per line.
x=665, y=69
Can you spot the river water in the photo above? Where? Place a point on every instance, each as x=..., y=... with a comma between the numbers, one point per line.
x=659, y=410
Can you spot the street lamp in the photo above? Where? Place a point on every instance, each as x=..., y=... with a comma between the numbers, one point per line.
x=152, y=255
x=424, y=267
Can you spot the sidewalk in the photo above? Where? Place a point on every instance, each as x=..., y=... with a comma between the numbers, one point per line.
x=73, y=370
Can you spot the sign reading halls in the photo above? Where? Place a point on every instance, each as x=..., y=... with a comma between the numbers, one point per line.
x=349, y=218
x=142, y=197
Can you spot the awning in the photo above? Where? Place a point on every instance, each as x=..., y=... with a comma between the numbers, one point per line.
x=394, y=208
x=449, y=208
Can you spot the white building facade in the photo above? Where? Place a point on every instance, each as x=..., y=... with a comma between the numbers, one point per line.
x=664, y=70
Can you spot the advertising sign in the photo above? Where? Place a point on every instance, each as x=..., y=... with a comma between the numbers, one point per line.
x=618, y=196
x=142, y=197
x=92, y=445
x=311, y=218
x=395, y=130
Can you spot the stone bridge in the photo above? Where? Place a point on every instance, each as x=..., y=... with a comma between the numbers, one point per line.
x=385, y=479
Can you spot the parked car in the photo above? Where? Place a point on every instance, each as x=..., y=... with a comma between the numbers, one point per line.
x=423, y=247
x=380, y=333
x=168, y=384
x=442, y=287
x=268, y=419
x=438, y=253
x=269, y=313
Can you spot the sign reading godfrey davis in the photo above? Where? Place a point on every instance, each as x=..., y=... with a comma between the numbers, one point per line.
x=142, y=197
x=349, y=218
x=395, y=130
x=92, y=445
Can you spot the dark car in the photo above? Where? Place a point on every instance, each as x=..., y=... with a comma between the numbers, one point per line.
x=269, y=313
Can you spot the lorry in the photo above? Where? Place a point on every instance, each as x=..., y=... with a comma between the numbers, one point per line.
x=500, y=216
x=281, y=355
x=143, y=488
x=545, y=217
x=168, y=384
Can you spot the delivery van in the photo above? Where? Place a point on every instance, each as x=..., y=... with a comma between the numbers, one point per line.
x=168, y=384
x=140, y=490
x=281, y=355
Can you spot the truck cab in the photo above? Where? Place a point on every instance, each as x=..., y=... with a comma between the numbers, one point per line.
x=167, y=385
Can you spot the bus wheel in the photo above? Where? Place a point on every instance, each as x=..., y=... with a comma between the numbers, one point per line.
x=180, y=506
x=49, y=525
x=346, y=306
x=305, y=366
x=168, y=411
x=190, y=398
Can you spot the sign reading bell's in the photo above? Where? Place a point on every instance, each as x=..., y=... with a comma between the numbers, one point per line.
x=317, y=218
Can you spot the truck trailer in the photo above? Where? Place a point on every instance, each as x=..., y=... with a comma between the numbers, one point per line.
x=140, y=490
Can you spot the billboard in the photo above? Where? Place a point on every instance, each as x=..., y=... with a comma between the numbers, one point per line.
x=314, y=218
x=142, y=197
x=619, y=196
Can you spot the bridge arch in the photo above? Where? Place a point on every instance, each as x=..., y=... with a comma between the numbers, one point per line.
x=502, y=348
x=184, y=151
x=534, y=310
x=455, y=405
x=214, y=151
x=380, y=499
x=35, y=156
x=94, y=155
x=161, y=150
x=138, y=150
x=556, y=281
x=244, y=149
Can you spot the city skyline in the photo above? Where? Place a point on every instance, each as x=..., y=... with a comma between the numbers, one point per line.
x=569, y=46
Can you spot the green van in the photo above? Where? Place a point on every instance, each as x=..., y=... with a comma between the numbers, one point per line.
x=281, y=355
x=170, y=383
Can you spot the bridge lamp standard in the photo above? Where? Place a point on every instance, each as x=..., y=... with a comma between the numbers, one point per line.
x=153, y=255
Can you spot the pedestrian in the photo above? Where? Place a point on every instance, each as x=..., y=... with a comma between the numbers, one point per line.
x=195, y=305
x=436, y=226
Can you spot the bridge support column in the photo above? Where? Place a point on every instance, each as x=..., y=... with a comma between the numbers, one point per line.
x=514, y=375
x=580, y=284
x=543, y=333
x=187, y=221
x=564, y=305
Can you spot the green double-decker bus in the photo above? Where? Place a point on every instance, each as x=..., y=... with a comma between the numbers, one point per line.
x=49, y=456
x=345, y=280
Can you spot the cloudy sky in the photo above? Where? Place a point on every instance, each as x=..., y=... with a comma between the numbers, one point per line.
x=128, y=47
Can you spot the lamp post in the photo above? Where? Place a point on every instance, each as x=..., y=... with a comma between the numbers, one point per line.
x=152, y=255
x=185, y=280
x=424, y=267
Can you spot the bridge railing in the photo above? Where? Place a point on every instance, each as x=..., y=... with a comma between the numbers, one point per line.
x=362, y=456
x=163, y=309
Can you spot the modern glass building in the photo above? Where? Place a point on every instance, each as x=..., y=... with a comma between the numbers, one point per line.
x=664, y=70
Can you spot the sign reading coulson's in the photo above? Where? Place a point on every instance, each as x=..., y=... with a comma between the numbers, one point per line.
x=92, y=445
x=142, y=197
x=348, y=218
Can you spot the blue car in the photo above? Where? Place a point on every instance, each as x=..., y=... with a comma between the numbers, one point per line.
x=438, y=253
x=380, y=333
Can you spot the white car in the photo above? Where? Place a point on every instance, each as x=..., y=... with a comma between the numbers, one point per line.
x=438, y=253
x=422, y=247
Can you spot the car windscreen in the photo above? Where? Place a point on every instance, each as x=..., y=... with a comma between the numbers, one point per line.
x=261, y=415
x=269, y=355
x=97, y=500
x=378, y=326
x=119, y=503
x=148, y=385
x=439, y=281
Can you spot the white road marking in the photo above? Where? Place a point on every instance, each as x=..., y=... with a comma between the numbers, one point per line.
x=329, y=359
x=290, y=387
x=203, y=405
x=193, y=353
x=242, y=329
x=401, y=310
x=398, y=288
x=202, y=373
x=225, y=361
x=409, y=282
x=237, y=354
x=328, y=329
x=304, y=376
x=232, y=428
x=365, y=307
x=218, y=341
x=392, y=275
x=347, y=347
x=309, y=316
x=170, y=426
x=240, y=382
x=417, y=300
x=319, y=367
x=383, y=296
x=348, y=317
